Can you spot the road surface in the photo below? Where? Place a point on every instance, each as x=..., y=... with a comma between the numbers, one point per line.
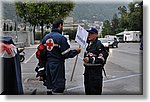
x=124, y=72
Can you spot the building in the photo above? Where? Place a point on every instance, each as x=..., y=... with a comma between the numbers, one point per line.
x=129, y=36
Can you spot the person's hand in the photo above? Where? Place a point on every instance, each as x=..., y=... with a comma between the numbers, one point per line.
x=78, y=50
x=86, y=59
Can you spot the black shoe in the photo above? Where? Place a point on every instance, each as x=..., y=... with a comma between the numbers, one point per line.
x=49, y=92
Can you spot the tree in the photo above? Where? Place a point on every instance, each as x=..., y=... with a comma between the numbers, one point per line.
x=122, y=10
x=115, y=22
x=43, y=13
x=136, y=17
x=106, y=30
x=123, y=21
x=131, y=19
x=116, y=25
x=4, y=27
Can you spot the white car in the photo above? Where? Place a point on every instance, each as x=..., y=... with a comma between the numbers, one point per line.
x=104, y=41
x=67, y=36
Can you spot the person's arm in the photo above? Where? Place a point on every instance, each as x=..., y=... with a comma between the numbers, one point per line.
x=99, y=56
x=103, y=53
x=66, y=51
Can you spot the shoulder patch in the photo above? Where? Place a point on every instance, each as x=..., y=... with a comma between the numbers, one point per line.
x=49, y=44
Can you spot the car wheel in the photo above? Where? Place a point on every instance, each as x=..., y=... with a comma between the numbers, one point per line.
x=112, y=46
x=116, y=46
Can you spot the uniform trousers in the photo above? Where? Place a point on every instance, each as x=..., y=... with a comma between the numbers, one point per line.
x=93, y=80
x=55, y=76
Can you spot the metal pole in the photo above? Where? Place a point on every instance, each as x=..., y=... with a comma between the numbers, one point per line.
x=74, y=66
x=16, y=29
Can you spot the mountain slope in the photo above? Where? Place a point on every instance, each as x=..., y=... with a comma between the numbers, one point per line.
x=82, y=11
x=96, y=11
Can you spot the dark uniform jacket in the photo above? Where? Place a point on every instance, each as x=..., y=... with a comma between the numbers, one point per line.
x=58, y=48
x=96, y=53
x=12, y=80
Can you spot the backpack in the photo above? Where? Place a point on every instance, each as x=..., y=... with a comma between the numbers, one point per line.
x=41, y=55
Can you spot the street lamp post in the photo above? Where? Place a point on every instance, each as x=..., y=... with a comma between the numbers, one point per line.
x=16, y=28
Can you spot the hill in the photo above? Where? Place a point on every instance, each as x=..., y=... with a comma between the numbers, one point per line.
x=82, y=11
x=9, y=11
x=96, y=11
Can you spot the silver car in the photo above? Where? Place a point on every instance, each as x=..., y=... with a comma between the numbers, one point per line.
x=104, y=41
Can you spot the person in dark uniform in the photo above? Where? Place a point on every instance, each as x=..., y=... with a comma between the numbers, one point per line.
x=58, y=50
x=94, y=59
x=11, y=69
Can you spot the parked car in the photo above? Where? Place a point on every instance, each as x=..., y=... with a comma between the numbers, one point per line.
x=113, y=43
x=104, y=41
x=67, y=36
x=112, y=40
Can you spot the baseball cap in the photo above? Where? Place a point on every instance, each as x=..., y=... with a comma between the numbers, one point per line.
x=92, y=30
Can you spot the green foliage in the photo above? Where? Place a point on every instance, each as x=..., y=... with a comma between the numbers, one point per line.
x=130, y=19
x=71, y=33
x=114, y=22
x=136, y=17
x=38, y=35
x=43, y=13
x=36, y=13
x=106, y=30
x=122, y=10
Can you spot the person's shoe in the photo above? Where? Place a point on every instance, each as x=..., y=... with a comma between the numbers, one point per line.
x=49, y=91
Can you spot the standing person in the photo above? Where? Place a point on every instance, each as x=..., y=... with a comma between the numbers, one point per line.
x=94, y=60
x=58, y=50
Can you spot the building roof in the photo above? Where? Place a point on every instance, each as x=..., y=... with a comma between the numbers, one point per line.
x=124, y=32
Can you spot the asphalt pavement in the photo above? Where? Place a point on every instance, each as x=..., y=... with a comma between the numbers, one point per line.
x=124, y=72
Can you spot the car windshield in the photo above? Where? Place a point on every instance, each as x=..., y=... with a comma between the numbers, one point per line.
x=110, y=40
x=103, y=40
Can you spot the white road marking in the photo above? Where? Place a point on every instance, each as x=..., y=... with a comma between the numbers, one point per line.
x=29, y=73
x=125, y=77
x=80, y=57
x=74, y=88
x=29, y=58
x=115, y=79
x=26, y=80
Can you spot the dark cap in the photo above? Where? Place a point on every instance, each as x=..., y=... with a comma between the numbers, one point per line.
x=92, y=30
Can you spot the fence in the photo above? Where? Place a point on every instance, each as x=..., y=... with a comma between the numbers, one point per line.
x=20, y=38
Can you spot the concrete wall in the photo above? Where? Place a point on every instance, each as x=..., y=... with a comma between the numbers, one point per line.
x=21, y=38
